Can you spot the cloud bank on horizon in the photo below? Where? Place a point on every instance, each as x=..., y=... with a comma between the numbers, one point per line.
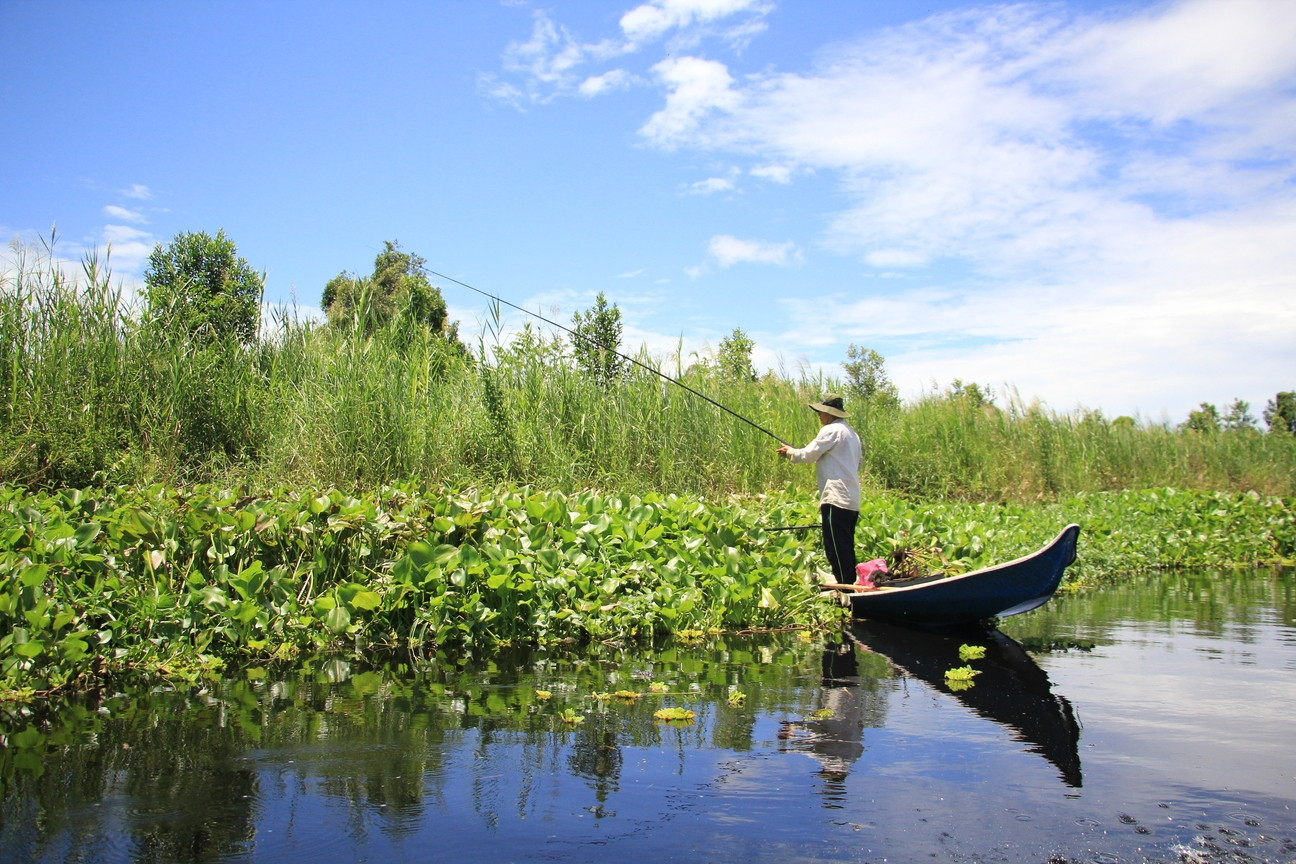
x=1046, y=192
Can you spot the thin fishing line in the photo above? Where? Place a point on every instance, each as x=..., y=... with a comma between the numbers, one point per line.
x=591, y=341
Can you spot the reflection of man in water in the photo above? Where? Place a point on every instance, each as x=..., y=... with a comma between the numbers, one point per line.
x=838, y=738
x=834, y=737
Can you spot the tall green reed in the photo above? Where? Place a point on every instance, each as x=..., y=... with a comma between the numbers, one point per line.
x=92, y=393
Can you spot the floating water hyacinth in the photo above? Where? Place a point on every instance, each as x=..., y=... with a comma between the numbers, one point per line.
x=960, y=678
x=674, y=715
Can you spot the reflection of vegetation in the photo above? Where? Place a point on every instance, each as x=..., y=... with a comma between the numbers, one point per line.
x=1214, y=600
x=387, y=732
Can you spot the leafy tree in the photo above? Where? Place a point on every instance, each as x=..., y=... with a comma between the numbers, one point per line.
x=1239, y=416
x=866, y=377
x=974, y=394
x=1205, y=419
x=198, y=284
x=1280, y=413
x=734, y=357
x=596, y=341
x=397, y=290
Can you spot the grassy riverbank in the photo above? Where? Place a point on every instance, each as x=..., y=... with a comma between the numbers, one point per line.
x=178, y=581
x=90, y=396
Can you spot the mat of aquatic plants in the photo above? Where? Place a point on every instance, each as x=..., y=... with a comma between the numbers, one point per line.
x=1149, y=721
x=181, y=582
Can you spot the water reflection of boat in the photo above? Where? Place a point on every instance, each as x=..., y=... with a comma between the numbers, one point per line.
x=1010, y=689
x=998, y=591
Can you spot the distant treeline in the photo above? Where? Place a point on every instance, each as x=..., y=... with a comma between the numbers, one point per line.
x=94, y=393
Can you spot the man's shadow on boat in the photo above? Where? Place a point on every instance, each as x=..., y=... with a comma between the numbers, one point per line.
x=1009, y=689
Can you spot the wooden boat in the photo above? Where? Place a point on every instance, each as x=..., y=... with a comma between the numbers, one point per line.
x=993, y=592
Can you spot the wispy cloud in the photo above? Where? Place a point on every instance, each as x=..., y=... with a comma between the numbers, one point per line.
x=727, y=251
x=597, y=85
x=711, y=185
x=657, y=19
x=112, y=211
x=776, y=173
x=555, y=62
x=129, y=247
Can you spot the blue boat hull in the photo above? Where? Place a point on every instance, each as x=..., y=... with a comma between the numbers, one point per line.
x=994, y=592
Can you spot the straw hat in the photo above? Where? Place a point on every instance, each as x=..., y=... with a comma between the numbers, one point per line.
x=831, y=404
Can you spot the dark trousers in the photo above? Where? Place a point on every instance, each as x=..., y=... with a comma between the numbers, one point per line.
x=839, y=540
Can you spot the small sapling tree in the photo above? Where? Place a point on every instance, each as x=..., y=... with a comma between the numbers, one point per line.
x=596, y=341
x=197, y=284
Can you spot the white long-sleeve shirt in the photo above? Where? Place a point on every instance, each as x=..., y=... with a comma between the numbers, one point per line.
x=836, y=454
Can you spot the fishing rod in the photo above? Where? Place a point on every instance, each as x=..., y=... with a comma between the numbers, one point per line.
x=593, y=342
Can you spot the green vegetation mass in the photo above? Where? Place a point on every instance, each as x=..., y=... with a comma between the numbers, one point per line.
x=95, y=391
x=181, y=489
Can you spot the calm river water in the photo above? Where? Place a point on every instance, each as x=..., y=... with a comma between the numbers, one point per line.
x=1150, y=722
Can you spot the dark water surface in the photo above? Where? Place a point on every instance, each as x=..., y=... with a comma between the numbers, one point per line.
x=1150, y=722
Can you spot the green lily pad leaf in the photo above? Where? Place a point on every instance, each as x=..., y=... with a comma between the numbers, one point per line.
x=337, y=620
x=366, y=599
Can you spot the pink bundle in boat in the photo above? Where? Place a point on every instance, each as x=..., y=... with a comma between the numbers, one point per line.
x=864, y=572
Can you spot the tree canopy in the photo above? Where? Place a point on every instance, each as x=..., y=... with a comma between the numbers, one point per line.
x=866, y=377
x=397, y=290
x=734, y=357
x=1280, y=413
x=198, y=284
x=596, y=341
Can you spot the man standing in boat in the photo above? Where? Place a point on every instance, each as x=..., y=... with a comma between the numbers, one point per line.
x=836, y=454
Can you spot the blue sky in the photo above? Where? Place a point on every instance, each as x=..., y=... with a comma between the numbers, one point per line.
x=1088, y=203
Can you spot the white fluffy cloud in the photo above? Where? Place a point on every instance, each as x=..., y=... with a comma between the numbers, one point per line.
x=727, y=251
x=1095, y=205
x=554, y=62
x=651, y=21
x=1115, y=192
x=129, y=247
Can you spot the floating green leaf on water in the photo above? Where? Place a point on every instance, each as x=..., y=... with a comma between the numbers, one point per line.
x=822, y=714
x=656, y=687
x=971, y=652
x=627, y=695
x=674, y=715
x=571, y=717
x=737, y=699
x=960, y=677
x=543, y=695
